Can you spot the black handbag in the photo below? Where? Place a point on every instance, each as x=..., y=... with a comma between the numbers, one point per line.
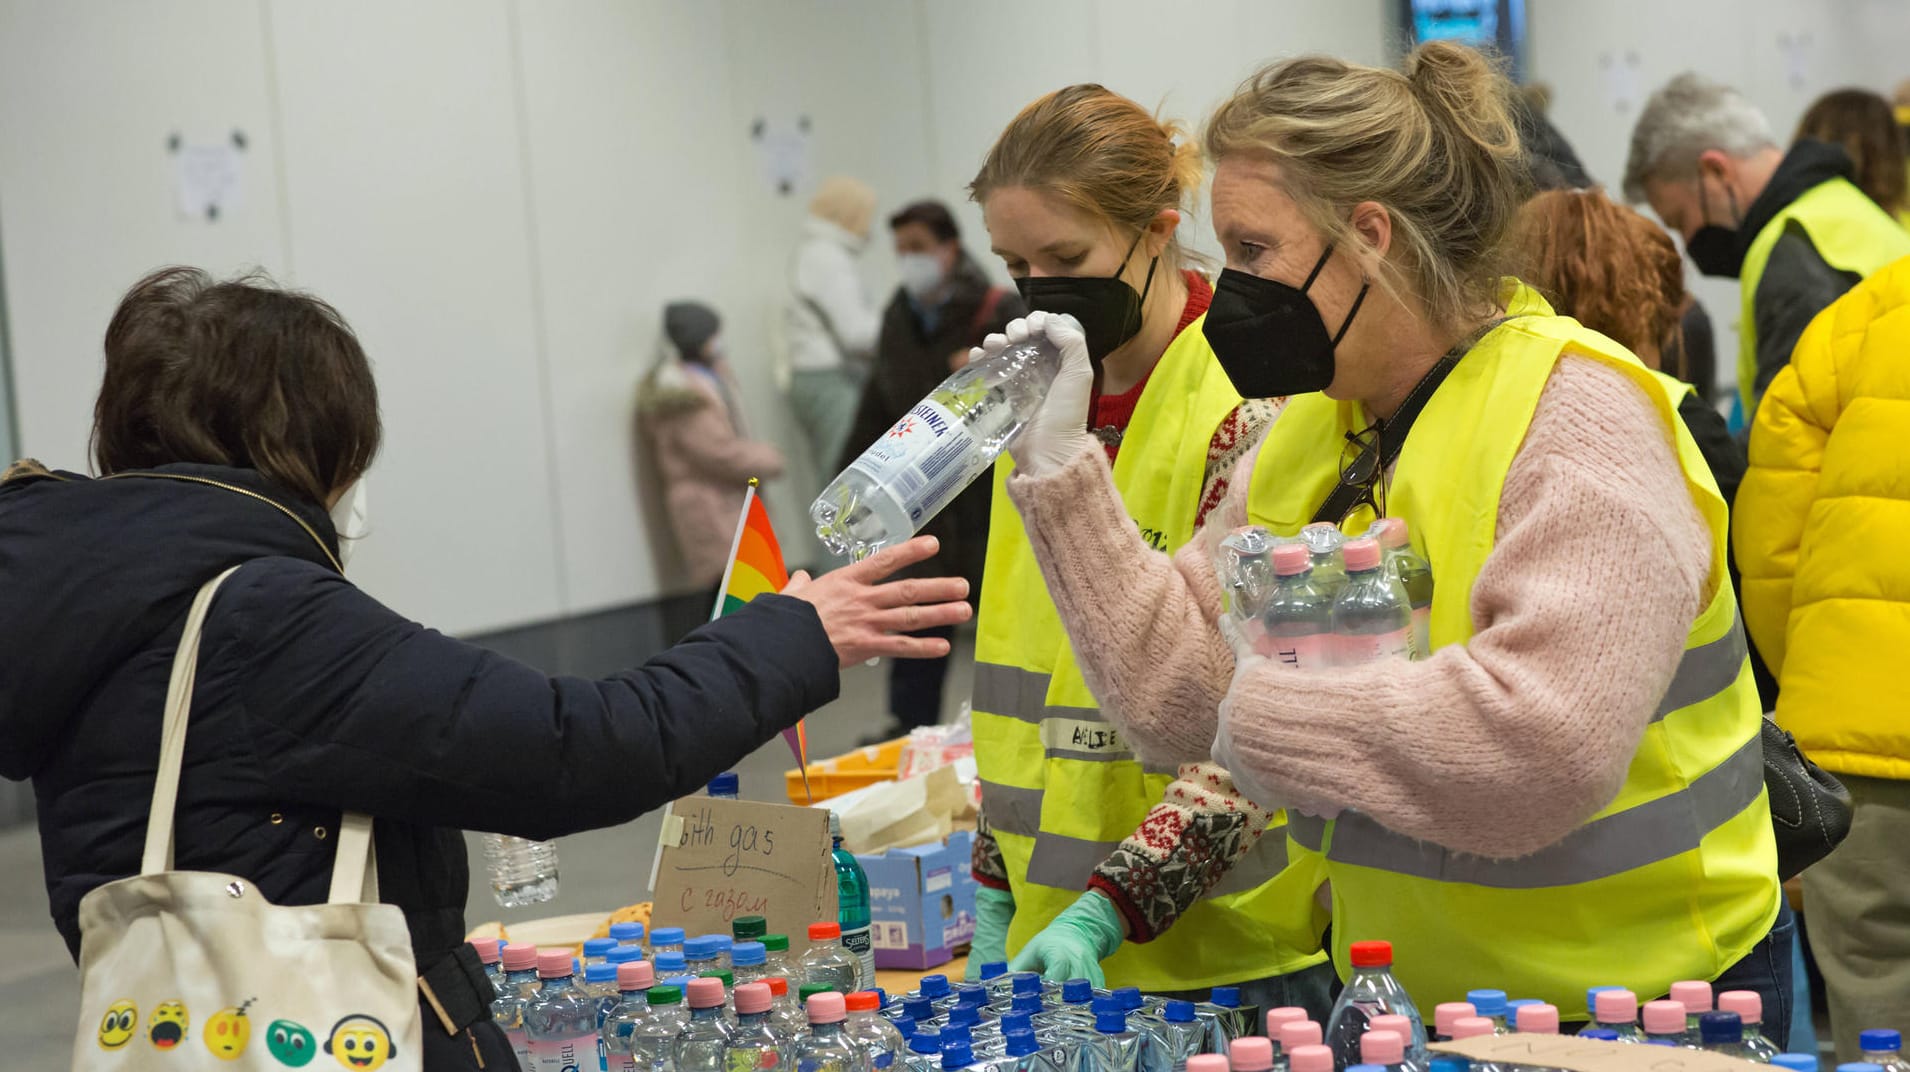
x=1810, y=808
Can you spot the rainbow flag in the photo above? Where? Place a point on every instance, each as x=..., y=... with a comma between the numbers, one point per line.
x=756, y=566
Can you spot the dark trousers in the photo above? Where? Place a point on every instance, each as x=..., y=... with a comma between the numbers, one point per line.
x=915, y=685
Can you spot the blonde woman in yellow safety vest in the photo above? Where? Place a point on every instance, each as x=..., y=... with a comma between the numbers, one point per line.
x=1568, y=792
x=1089, y=854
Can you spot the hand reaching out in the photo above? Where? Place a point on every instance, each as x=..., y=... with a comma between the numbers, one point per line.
x=865, y=617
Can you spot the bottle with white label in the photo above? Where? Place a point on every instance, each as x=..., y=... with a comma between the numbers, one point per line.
x=937, y=449
x=1297, y=621
x=560, y=1023
x=1372, y=617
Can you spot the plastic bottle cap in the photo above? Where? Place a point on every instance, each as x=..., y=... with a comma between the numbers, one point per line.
x=705, y=992
x=597, y=947
x=553, y=963
x=1512, y=1010
x=971, y=994
x=1397, y=1024
x=1391, y=532
x=666, y=936
x=1591, y=998
x=1446, y=1013
x=1693, y=995
x=928, y=1043
x=809, y=990
x=636, y=975
x=862, y=1001
x=1020, y=1043
x=600, y=972
x=724, y=784
x=1796, y=1062
x=1074, y=991
x=700, y=947
x=1489, y=1002
x=776, y=943
x=1448, y=1064
x=748, y=954
x=1472, y=1027
x=1540, y=1019
x=904, y=1025
x=665, y=995
x=627, y=932
x=1720, y=1028
x=825, y=1008
x=1027, y=1003
x=1026, y=983
x=671, y=962
x=1748, y=1004
x=957, y=1054
x=1017, y=1021
x=825, y=932
x=1379, y=1047
x=728, y=979
x=624, y=954
x=1297, y=1033
x=1362, y=554
x=1285, y=1014
x=1860, y=1066
x=1250, y=1054
x=1366, y=1068
x=1372, y=955
x=778, y=986
x=518, y=956
x=753, y=997
x=1602, y=1034
x=1311, y=1057
x=1178, y=1012
x=487, y=949
x=1227, y=997
x=722, y=943
x=1664, y=1017
x=1874, y=1041
x=1290, y=559
x=1208, y=1062
x=919, y=1008
x=933, y=986
x=994, y=968
x=1616, y=1007
x=965, y=1014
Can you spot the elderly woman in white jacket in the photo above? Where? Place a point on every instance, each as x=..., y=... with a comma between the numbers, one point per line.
x=831, y=322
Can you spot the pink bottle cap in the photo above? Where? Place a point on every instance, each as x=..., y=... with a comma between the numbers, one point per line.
x=1291, y=558
x=751, y=997
x=1391, y=532
x=1664, y=1017
x=1311, y=1058
x=1207, y=1062
x=1382, y=1047
x=1472, y=1027
x=1297, y=1033
x=1695, y=996
x=553, y=963
x=705, y=992
x=1447, y=1013
x=826, y=1008
x=487, y=949
x=636, y=975
x=1616, y=1007
x=1393, y=1022
x=1286, y=1014
x=518, y=956
x=1748, y=1004
x=1250, y=1054
x=1362, y=554
x=1538, y=1019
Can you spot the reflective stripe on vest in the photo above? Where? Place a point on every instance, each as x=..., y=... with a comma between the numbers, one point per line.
x=1848, y=230
x=1676, y=877
x=1060, y=786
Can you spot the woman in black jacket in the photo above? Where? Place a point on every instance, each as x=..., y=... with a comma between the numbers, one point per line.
x=231, y=418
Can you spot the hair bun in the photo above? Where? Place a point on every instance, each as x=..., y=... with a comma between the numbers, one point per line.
x=1464, y=91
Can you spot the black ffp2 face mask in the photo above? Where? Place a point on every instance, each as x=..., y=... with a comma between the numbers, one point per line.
x=1269, y=337
x=1108, y=309
x=1714, y=247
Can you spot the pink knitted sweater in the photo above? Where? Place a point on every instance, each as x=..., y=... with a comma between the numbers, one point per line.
x=1499, y=746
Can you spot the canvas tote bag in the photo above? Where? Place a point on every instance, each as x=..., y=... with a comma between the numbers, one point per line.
x=197, y=970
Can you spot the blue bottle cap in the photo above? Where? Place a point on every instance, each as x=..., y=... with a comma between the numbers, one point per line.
x=671, y=962
x=957, y=1033
x=1026, y=983
x=1110, y=1023
x=1076, y=991
x=601, y=972
x=624, y=954
x=1512, y=1008
x=1365, y=1068
x=957, y=1055
x=748, y=954
x=1105, y=1003
x=666, y=936
x=681, y=982
x=925, y=1042
x=1227, y=997
x=918, y=1008
x=993, y=968
x=1027, y=1003
x=1860, y=1066
x=1487, y=1002
x=721, y=942
x=1449, y=1064
x=904, y=1025
x=1178, y=1012
x=701, y=947
x=1020, y=1043
x=1601, y=1034
x=627, y=932
x=1879, y=1041
x=1720, y=1028
x=971, y=994
x=965, y=1014
x=933, y=986
x=597, y=947
x=1591, y=999
x=1130, y=997
x=881, y=995
x=724, y=784
x=1796, y=1062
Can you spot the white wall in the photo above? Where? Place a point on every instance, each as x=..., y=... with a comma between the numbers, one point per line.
x=501, y=194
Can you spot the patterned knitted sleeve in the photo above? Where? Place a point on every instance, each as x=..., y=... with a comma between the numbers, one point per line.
x=984, y=860
x=1199, y=830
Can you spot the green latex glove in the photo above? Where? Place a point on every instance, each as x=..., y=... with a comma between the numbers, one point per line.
x=994, y=909
x=1074, y=945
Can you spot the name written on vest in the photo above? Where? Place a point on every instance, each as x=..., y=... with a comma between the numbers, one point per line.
x=1077, y=735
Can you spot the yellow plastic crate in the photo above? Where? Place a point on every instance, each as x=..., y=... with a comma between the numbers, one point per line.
x=837, y=775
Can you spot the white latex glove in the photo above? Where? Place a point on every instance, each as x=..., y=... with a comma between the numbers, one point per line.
x=1058, y=431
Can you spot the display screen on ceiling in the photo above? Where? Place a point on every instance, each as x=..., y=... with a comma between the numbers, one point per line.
x=1495, y=25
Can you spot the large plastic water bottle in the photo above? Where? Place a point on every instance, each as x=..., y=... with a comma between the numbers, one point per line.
x=937, y=449
x=1371, y=992
x=755, y=1046
x=852, y=907
x=826, y=962
x=1414, y=573
x=878, y=1038
x=523, y=872
x=747, y=960
x=632, y=1004
x=826, y=1048
x=1372, y=618
x=560, y=1023
x=786, y=1015
x=1883, y=1048
x=701, y=1046
x=1297, y=620
x=489, y=951
x=520, y=983
x=1749, y=1005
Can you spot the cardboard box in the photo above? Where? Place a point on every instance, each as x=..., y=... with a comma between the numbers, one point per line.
x=921, y=902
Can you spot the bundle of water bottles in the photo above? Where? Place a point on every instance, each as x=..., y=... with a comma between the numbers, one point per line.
x=1322, y=600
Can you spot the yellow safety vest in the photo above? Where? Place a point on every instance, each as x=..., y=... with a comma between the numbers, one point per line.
x=1677, y=877
x=1060, y=788
x=1850, y=232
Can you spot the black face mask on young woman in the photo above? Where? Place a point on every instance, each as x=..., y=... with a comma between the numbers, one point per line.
x=1269, y=337
x=1109, y=310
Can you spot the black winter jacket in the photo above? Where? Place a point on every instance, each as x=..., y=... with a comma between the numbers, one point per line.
x=313, y=698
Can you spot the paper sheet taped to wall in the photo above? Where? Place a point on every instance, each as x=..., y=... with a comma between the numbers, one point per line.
x=208, y=180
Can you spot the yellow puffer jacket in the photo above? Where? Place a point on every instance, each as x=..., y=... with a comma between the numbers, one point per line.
x=1822, y=531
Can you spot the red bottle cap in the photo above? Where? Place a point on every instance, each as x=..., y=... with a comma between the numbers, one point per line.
x=862, y=1001
x=824, y=932
x=1371, y=954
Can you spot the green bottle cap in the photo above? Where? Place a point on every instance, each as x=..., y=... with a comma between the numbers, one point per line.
x=664, y=995
x=811, y=989
x=749, y=928
x=729, y=981
x=775, y=943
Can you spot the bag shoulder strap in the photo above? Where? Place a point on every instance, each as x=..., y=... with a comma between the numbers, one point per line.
x=354, y=867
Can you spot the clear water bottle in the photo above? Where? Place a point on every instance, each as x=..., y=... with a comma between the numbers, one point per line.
x=1297, y=619
x=878, y=1038
x=1113, y=1047
x=826, y=962
x=826, y=1048
x=490, y=955
x=629, y=934
x=1695, y=996
x=597, y=949
x=1372, y=619
x=523, y=872
x=520, y=984
x=723, y=944
x=1883, y=1048
x=671, y=963
x=1749, y=1005
x=701, y=1046
x=776, y=959
x=786, y=1015
x=1616, y=1010
x=748, y=960
x=1174, y=1039
x=699, y=954
x=1325, y=542
x=600, y=981
x=1665, y=1023
x=620, y=1015
x=560, y=1023
x=725, y=786
x=756, y=1046
x=1447, y=1013
x=1372, y=991
x=937, y=449
x=852, y=906
x=666, y=940
x=1222, y=1014
x=1491, y=1005
x=1022, y=1052
x=651, y=1044
x=1244, y=563
x=1414, y=573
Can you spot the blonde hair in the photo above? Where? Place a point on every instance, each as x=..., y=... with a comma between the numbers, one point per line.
x=1434, y=143
x=1100, y=153
x=848, y=203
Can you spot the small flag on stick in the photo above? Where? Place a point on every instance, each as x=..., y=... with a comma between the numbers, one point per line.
x=756, y=566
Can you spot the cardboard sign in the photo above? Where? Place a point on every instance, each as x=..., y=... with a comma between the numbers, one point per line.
x=1590, y=1055
x=719, y=859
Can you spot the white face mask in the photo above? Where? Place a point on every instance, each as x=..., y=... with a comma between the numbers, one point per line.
x=921, y=273
x=350, y=518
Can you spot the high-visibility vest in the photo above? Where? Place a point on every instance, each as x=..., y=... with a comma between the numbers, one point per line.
x=1849, y=231
x=1676, y=878
x=1060, y=788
